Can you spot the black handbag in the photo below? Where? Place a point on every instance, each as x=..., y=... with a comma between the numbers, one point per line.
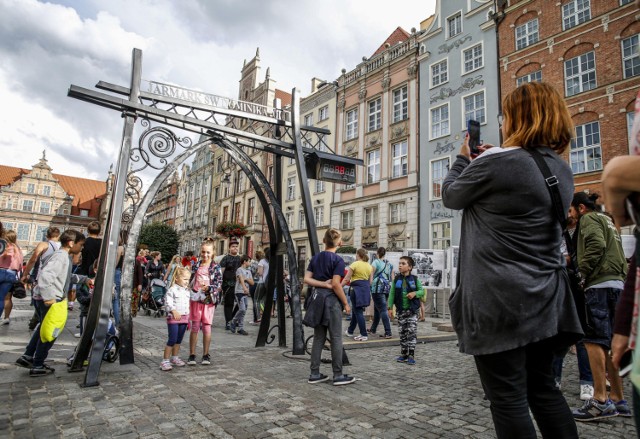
x=572, y=267
x=18, y=290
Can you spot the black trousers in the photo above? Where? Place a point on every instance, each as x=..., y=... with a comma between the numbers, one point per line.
x=229, y=302
x=522, y=379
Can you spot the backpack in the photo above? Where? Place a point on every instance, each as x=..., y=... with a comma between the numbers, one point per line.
x=382, y=282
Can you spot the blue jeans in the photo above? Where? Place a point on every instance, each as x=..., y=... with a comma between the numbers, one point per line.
x=242, y=301
x=583, y=364
x=115, y=300
x=380, y=312
x=37, y=349
x=357, y=317
x=7, y=278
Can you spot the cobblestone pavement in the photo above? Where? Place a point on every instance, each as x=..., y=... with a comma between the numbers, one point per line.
x=252, y=392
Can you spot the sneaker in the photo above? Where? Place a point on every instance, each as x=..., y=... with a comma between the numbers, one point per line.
x=177, y=361
x=4, y=321
x=623, y=408
x=232, y=327
x=369, y=331
x=586, y=392
x=191, y=361
x=206, y=359
x=402, y=358
x=25, y=362
x=411, y=361
x=165, y=366
x=361, y=338
x=387, y=336
x=592, y=410
x=227, y=327
x=77, y=335
x=242, y=332
x=41, y=371
x=348, y=334
x=343, y=380
x=320, y=378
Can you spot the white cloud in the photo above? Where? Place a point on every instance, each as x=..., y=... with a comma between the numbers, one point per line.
x=45, y=47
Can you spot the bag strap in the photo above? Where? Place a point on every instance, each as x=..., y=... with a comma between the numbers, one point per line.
x=552, y=185
x=381, y=272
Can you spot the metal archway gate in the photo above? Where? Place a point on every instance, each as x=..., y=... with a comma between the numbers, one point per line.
x=220, y=126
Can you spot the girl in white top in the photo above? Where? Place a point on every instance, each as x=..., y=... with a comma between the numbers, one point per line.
x=177, y=307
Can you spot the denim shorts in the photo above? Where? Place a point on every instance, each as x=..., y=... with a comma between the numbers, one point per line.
x=600, y=308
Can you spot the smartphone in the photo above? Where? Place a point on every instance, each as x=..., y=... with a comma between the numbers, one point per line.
x=473, y=128
x=626, y=364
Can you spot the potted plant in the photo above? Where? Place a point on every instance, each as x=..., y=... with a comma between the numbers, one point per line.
x=230, y=229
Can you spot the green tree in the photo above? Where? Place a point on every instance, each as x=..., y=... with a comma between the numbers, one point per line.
x=346, y=249
x=160, y=237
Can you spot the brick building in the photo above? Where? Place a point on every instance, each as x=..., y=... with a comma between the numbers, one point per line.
x=588, y=50
x=163, y=207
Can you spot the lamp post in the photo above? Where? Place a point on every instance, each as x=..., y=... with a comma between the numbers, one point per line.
x=228, y=180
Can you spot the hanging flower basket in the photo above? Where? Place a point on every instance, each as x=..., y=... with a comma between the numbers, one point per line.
x=230, y=229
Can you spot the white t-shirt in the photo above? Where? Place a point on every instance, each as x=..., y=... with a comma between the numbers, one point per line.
x=265, y=270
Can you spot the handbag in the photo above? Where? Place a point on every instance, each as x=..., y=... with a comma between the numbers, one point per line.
x=18, y=290
x=572, y=267
x=54, y=321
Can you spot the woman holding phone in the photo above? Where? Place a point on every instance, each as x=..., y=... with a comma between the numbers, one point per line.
x=512, y=308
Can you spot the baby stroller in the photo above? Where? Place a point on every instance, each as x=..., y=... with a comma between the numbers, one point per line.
x=111, y=347
x=152, y=300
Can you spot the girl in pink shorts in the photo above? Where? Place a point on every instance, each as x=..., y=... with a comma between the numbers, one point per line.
x=206, y=283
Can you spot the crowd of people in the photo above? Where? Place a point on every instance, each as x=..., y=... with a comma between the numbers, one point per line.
x=541, y=270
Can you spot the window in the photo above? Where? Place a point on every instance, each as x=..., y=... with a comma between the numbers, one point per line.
x=352, y=124
x=45, y=207
x=323, y=113
x=291, y=188
x=440, y=121
x=289, y=217
x=439, y=73
x=472, y=58
x=399, y=160
x=371, y=216
x=375, y=114
x=219, y=165
x=373, y=166
x=302, y=222
x=31, y=188
x=397, y=213
x=11, y=226
x=225, y=213
x=530, y=77
x=527, y=34
x=441, y=235
x=630, y=116
x=27, y=205
x=319, y=186
x=624, y=2
x=439, y=170
x=46, y=190
x=400, y=104
x=575, y=12
x=23, y=232
x=318, y=215
x=41, y=233
x=586, y=154
x=216, y=193
x=580, y=73
x=237, y=211
x=631, y=56
x=84, y=213
x=308, y=119
x=474, y=108
x=454, y=25
x=346, y=220
x=239, y=181
x=251, y=211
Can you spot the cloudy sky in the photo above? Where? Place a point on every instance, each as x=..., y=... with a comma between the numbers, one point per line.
x=199, y=44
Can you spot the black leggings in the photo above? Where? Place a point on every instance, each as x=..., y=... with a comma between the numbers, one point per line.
x=522, y=379
x=229, y=302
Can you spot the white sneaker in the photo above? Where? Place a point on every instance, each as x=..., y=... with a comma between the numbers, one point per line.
x=586, y=392
x=77, y=335
x=4, y=321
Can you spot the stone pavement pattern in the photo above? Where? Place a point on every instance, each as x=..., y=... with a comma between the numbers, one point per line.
x=253, y=393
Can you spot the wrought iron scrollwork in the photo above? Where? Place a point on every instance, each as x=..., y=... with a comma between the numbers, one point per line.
x=155, y=145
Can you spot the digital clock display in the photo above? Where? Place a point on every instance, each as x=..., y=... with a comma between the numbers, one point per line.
x=343, y=173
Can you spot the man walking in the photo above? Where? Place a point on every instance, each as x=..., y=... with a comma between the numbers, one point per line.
x=603, y=268
x=229, y=264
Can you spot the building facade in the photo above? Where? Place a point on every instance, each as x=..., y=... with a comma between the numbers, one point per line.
x=377, y=121
x=33, y=200
x=590, y=51
x=458, y=82
x=163, y=207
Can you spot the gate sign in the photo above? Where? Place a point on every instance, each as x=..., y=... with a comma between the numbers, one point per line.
x=329, y=167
